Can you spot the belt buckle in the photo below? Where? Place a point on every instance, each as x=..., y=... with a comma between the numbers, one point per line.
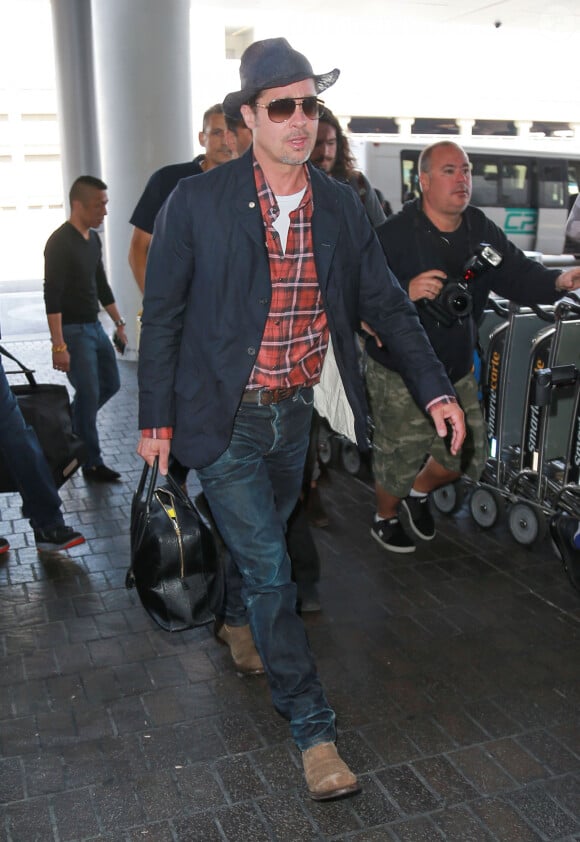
x=266, y=397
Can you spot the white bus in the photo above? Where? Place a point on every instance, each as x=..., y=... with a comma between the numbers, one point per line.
x=526, y=185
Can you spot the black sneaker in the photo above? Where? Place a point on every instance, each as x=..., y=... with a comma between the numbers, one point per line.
x=420, y=518
x=100, y=473
x=4, y=546
x=565, y=532
x=391, y=535
x=56, y=539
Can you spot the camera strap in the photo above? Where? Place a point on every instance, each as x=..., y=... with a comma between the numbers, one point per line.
x=453, y=248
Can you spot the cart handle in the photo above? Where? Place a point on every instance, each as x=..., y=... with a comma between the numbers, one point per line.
x=504, y=310
x=570, y=303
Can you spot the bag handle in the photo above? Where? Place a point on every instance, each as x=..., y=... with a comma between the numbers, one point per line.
x=143, y=480
x=28, y=372
x=171, y=481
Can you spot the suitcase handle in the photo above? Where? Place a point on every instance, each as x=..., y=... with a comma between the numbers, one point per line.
x=28, y=372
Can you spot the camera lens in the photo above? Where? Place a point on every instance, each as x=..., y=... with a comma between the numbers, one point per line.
x=461, y=304
x=456, y=300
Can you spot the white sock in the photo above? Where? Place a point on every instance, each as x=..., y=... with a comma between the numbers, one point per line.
x=378, y=518
x=413, y=493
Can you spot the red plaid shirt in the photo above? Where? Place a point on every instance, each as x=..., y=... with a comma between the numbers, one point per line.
x=296, y=334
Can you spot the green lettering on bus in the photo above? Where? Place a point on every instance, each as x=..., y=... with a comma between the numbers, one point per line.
x=520, y=221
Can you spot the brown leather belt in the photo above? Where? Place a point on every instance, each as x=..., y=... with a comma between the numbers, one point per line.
x=265, y=397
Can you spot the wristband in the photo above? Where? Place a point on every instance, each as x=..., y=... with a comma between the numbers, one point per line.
x=443, y=399
x=121, y=322
x=58, y=349
x=163, y=433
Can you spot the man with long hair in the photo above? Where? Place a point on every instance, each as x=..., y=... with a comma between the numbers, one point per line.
x=332, y=154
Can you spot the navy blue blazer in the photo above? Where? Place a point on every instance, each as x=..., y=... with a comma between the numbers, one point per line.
x=207, y=296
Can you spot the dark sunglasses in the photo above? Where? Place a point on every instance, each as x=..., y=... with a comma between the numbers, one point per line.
x=280, y=110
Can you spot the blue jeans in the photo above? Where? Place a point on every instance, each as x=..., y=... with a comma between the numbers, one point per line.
x=95, y=377
x=251, y=490
x=26, y=462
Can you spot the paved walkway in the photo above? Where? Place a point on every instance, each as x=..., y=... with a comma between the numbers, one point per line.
x=454, y=673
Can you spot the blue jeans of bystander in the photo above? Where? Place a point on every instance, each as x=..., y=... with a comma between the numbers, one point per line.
x=251, y=489
x=95, y=377
x=26, y=461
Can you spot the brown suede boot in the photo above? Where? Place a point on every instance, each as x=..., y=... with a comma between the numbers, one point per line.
x=243, y=650
x=327, y=776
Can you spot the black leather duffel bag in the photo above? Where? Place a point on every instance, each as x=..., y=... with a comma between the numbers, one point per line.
x=175, y=566
x=46, y=408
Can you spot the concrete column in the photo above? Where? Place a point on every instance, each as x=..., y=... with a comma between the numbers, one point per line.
x=523, y=127
x=143, y=84
x=73, y=47
x=405, y=124
x=465, y=126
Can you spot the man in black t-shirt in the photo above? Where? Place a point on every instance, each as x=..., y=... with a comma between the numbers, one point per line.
x=162, y=182
x=74, y=284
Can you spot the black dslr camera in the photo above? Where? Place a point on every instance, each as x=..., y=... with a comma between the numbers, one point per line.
x=455, y=302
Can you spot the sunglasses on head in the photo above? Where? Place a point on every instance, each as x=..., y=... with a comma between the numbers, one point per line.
x=280, y=110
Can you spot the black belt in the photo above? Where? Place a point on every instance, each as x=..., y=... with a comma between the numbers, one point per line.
x=265, y=397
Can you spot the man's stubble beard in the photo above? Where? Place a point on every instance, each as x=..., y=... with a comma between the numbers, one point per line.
x=292, y=161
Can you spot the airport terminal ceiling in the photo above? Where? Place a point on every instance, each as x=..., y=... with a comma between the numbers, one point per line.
x=561, y=15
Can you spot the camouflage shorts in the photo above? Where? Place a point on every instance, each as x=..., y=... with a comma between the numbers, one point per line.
x=404, y=436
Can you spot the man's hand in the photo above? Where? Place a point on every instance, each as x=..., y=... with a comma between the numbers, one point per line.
x=569, y=280
x=149, y=448
x=452, y=414
x=427, y=285
x=61, y=360
x=368, y=329
x=122, y=339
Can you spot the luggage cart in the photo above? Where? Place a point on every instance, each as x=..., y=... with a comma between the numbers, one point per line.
x=532, y=411
x=505, y=336
x=546, y=479
x=516, y=349
x=338, y=451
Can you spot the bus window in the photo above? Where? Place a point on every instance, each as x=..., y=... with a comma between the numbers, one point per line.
x=515, y=184
x=485, y=181
x=410, y=175
x=573, y=182
x=572, y=244
x=552, y=187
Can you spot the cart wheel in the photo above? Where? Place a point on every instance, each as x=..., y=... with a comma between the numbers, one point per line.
x=325, y=437
x=350, y=457
x=526, y=524
x=484, y=507
x=448, y=498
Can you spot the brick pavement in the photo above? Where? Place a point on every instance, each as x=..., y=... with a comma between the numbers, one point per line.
x=454, y=674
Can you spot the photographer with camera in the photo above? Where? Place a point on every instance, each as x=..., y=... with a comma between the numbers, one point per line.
x=448, y=256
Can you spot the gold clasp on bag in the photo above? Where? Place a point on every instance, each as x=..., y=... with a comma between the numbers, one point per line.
x=169, y=509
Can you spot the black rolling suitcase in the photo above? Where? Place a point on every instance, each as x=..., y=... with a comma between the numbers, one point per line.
x=46, y=408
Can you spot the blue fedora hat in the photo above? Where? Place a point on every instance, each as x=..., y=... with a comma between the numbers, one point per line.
x=273, y=64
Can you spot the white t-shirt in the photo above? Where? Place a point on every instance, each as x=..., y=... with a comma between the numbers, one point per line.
x=286, y=205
